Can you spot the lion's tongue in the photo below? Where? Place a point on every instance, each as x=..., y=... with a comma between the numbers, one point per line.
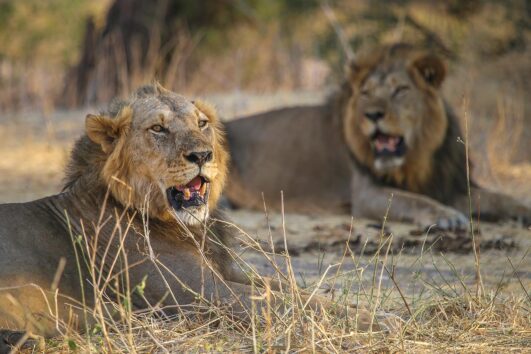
x=194, y=184
x=385, y=142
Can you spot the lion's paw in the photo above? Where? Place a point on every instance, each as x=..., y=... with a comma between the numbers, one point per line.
x=449, y=219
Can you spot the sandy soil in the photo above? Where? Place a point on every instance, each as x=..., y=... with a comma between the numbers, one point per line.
x=34, y=152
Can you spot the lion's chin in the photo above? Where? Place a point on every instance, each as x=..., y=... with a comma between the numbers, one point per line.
x=387, y=164
x=192, y=216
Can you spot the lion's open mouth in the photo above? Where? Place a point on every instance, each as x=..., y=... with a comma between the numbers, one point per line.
x=385, y=145
x=193, y=194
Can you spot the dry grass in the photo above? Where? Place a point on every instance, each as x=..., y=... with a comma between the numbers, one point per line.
x=445, y=315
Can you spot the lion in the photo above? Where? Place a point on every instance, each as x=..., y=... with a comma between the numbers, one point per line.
x=140, y=199
x=386, y=143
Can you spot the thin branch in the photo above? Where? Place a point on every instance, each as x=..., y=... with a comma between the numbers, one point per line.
x=332, y=19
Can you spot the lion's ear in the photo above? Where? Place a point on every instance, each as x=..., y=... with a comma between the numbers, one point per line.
x=100, y=129
x=160, y=89
x=104, y=130
x=207, y=109
x=431, y=68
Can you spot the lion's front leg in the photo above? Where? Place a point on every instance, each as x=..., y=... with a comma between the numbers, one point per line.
x=490, y=205
x=190, y=285
x=374, y=201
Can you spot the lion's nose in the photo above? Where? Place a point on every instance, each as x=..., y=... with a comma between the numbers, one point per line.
x=375, y=115
x=199, y=157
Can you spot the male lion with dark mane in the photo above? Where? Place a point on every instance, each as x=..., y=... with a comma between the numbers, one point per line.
x=140, y=197
x=388, y=131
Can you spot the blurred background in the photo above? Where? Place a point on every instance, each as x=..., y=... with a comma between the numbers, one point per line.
x=60, y=58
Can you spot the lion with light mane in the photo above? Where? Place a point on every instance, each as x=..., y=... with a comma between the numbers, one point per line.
x=387, y=131
x=141, y=190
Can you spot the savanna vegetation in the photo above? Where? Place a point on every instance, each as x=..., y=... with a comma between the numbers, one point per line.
x=60, y=59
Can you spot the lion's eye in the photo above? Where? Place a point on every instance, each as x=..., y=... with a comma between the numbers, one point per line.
x=365, y=92
x=202, y=123
x=400, y=89
x=157, y=128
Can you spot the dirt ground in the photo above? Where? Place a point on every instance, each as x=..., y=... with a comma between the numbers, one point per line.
x=34, y=151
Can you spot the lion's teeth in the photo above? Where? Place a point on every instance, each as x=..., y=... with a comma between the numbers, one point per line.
x=187, y=193
x=202, y=190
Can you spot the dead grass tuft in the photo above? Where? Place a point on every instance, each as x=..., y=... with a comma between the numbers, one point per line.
x=445, y=313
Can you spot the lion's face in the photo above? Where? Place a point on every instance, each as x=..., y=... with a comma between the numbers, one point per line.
x=395, y=115
x=164, y=155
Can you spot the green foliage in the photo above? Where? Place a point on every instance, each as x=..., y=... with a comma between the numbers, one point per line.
x=213, y=18
x=139, y=288
x=72, y=344
x=49, y=30
x=245, y=38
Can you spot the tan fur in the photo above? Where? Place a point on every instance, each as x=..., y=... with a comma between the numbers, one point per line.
x=222, y=157
x=114, y=202
x=122, y=164
x=427, y=123
x=323, y=159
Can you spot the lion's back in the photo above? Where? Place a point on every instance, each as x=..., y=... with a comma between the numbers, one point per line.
x=31, y=240
x=295, y=150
